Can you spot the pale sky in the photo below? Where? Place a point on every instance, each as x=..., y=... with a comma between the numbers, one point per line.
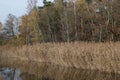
x=15, y=7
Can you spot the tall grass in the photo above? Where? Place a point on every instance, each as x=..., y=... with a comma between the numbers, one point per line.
x=83, y=55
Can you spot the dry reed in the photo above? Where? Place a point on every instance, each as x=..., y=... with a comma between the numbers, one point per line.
x=84, y=55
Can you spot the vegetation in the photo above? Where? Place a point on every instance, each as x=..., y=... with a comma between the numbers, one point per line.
x=77, y=34
x=65, y=21
x=63, y=61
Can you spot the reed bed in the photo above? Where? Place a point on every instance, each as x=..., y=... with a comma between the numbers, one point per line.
x=78, y=55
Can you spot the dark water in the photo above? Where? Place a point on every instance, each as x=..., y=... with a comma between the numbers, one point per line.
x=47, y=71
x=70, y=74
x=57, y=73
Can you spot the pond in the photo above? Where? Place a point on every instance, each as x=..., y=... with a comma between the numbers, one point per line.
x=54, y=72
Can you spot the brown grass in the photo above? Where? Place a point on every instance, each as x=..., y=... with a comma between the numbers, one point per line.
x=92, y=56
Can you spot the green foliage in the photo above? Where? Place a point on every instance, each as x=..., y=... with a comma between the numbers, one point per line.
x=47, y=3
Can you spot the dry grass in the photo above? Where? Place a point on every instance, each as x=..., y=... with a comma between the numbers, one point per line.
x=92, y=56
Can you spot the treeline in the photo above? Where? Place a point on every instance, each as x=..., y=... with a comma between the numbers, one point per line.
x=66, y=21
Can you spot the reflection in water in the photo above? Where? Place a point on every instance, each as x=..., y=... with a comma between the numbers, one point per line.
x=47, y=71
x=9, y=74
x=55, y=72
x=71, y=75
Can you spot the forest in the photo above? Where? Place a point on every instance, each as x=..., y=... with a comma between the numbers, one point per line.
x=63, y=21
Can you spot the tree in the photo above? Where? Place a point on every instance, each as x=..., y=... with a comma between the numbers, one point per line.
x=10, y=25
x=47, y=3
x=0, y=26
x=35, y=32
x=23, y=29
x=71, y=20
x=46, y=22
x=1, y=38
x=29, y=22
x=31, y=5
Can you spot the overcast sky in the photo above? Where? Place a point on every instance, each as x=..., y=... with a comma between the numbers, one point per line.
x=15, y=7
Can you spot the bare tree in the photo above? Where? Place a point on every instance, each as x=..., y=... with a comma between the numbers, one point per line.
x=66, y=19
x=9, y=25
x=31, y=4
x=75, y=19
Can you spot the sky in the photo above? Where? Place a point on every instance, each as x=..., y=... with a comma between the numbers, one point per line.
x=15, y=7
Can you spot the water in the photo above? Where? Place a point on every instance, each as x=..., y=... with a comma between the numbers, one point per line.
x=9, y=74
x=48, y=71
